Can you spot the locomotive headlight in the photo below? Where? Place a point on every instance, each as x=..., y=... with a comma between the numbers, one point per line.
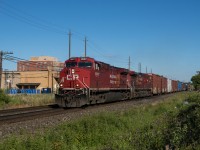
x=61, y=85
x=77, y=86
x=73, y=71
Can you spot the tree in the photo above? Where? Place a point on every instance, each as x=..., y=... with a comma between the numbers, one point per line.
x=196, y=81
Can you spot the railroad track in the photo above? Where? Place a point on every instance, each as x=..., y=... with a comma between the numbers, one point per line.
x=29, y=113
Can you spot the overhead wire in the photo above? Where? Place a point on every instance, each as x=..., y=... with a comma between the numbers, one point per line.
x=28, y=17
x=31, y=22
x=32, y=16
x=99, y=50
x=35, y=21
x=20, y=15
x=28, y=63
x=21, y=59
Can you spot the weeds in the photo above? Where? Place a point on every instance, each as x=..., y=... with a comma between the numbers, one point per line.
x=173, y=123
x=24, y=100
x=4, y=99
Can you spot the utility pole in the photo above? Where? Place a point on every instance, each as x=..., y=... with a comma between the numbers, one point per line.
x=129, y=63
x=52, y=83
x=1, y=58
x=1, y=61
x=146, y=69
x=70, y=43
x=48, y=78
x=139, y=67
x=85, y=46
x=6, y=78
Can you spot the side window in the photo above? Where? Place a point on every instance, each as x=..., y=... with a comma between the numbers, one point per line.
x=97, y=66
x=85, y=64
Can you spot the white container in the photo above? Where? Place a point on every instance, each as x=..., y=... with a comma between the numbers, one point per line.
x=169, y=85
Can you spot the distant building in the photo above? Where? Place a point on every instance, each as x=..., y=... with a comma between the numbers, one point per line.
x=37, y=73
x=41, y=63
x=29, y=79
x=38, y=80
x=9, y=79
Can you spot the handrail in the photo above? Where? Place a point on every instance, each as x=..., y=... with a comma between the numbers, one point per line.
x=85, y=83
x=82, y=83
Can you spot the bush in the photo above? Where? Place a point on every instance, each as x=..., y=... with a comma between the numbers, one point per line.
x=176, y=130
x=3, y=97
x=184, y=130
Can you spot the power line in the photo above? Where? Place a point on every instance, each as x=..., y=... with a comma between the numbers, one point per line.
x=32, y=23
x=100, y=51
x=21, y=59
x=23, y=16
x=105, y=56
x=28, y=63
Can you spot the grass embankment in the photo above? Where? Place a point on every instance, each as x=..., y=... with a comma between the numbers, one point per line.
x=24, y=100
x=174, y=123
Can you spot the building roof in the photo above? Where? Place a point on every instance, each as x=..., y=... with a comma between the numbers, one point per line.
x=36, y=84
x=43, y=58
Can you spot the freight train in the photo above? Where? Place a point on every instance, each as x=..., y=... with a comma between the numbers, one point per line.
x=85, y=81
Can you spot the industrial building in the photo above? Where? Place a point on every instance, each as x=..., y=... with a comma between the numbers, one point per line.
x=37, y=73
x=10, y=79
x=41, y=63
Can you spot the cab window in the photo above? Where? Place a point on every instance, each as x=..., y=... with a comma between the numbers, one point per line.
x=85, y=64
x=71, y=64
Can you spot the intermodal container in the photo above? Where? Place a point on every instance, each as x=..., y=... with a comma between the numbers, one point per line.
x=164, y=84
x=179, y=86
x=183, y=86
x=156, y=83
x=174, y=86
x=169, y=85
x=142, y=81
x=186, y=86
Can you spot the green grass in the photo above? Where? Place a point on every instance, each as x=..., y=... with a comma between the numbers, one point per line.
x=173, y=122
x=25, y=100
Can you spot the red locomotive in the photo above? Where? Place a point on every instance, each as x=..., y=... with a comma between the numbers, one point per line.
x=85, y=81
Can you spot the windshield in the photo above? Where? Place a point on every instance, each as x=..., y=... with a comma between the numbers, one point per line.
x=85, y=64
x=71, y=64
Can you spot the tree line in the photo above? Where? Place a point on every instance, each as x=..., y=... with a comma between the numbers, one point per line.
x=196, y=81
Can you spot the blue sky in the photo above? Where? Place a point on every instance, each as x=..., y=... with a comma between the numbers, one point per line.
x=163, y=35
